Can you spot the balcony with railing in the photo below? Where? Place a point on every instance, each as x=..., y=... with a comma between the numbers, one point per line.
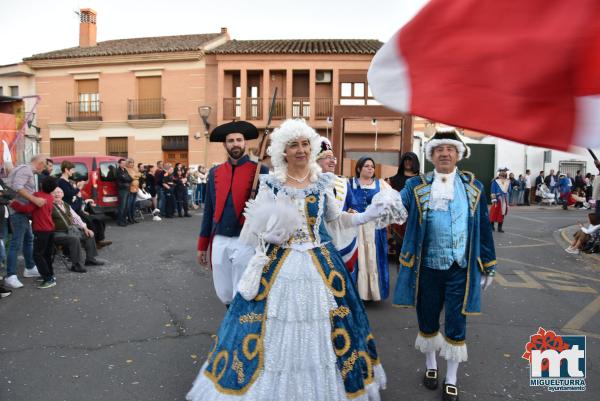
x=278, y=109
x=84, y=111
x=232, y=108
x=254, y=108
x=300, y=107
x=146, y=109
x=323, y=108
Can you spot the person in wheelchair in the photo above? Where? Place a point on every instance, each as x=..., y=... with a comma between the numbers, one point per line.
x=73, y=235
x=546, y=195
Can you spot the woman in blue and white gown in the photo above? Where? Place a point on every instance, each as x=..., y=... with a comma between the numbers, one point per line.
x=297, y=329
x=372, y=276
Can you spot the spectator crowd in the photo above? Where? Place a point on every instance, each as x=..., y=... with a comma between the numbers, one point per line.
x=163, y=189
x=558, y=188
x=44, y=214
x=554, y=188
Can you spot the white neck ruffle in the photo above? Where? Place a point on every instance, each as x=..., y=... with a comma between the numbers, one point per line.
x=442, y=190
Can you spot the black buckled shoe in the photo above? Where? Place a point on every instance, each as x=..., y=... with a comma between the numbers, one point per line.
x=430, y=380
x=450, y=392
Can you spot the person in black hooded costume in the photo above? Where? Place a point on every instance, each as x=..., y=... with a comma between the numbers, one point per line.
x=409, y=167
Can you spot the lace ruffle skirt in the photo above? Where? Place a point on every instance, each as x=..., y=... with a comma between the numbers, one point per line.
x=300, y=364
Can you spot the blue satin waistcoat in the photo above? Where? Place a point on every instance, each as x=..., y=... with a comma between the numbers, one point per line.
x=447, y=232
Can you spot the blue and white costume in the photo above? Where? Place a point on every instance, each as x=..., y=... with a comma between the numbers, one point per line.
x=447, y=260
x=303, y=334
x=372, y=276
x=500, y=193
x=452, y=247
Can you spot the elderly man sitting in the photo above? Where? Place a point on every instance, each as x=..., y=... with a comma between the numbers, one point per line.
x=72, y=233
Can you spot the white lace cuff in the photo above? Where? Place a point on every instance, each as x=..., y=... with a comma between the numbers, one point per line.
x=393, y=211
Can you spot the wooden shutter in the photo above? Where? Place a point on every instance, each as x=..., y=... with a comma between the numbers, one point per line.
x=87, y=86
x=149, y=88
x=170, y=143
x=62, y=147
x=116, y=146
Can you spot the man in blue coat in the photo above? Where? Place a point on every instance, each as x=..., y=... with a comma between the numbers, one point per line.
x=447, y=256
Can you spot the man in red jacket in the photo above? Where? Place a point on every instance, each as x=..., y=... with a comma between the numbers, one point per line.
x=227, y=190
x=43, y=230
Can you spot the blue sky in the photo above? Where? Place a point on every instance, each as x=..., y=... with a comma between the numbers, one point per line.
x=36, y=26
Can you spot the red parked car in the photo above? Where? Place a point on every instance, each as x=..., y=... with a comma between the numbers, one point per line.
x=99, y=172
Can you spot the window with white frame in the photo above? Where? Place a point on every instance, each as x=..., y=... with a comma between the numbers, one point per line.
x=356, y=93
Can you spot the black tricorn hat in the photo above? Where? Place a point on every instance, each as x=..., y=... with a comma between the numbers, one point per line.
x=235, y=127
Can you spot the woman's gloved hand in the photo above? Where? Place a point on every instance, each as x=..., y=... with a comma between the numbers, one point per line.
x=276, y=236
x=373, y=212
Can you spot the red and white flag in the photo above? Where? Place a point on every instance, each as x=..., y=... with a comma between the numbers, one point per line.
x=527, y=71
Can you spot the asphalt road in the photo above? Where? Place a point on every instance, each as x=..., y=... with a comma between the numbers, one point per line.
x=139, y=327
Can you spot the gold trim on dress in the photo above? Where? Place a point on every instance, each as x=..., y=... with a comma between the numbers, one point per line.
x=246, y=346
x=369, y=362
x=370, y=337
x=349, y=364
x=251, y=318
x=340, y=331
x=341, y=312
x=267, y=284
x=259, y=345
x=221, y=355
x=332, y=274
x=310, y=227
x=214, y=347
x=238, y=367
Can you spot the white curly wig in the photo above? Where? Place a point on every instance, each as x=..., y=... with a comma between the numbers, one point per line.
x=288, y=131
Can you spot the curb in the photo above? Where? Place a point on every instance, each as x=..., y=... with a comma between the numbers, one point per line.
x=565, y=237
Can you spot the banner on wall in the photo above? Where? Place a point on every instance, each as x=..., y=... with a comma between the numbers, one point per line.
x=8, y=141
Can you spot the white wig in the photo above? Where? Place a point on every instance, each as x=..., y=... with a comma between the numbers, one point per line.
x=291, y=130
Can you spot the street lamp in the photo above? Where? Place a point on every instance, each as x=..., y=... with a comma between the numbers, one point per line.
x=329, y=122
x=374, y=123
x=204, y=112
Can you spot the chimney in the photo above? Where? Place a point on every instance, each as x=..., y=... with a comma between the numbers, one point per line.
x=224, y=30
x=87, y=27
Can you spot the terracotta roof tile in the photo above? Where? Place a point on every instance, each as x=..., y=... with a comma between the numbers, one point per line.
x=299, y=46
x=121, y=47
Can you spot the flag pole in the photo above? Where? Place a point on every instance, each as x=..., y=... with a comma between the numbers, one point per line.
x=595, y=158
